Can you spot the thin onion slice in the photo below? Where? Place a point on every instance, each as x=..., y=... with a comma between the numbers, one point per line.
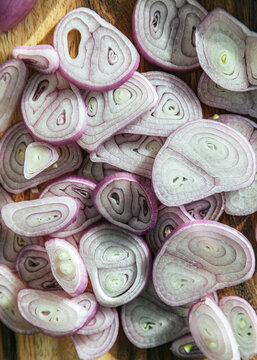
x=89, y=302
x=185, y=348
x=102, y=320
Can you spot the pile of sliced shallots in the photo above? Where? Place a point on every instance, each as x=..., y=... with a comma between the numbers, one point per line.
x=152, y=184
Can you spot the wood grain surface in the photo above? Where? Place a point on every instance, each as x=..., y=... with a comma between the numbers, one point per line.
x=37, y=28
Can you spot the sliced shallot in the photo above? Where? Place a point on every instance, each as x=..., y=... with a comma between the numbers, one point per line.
x=102, y=320
x=185, y=348
x=89, y=302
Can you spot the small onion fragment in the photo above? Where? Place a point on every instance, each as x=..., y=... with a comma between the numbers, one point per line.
x=13, y=77
x=118, y=263
x=212, y=331
x=126, y=201
x=243, y=320
x=40, y=217
x=102, y=320
x=115, y=58
x=185, y=348
x=89, y=302
x=13, y=11
x=200, y=257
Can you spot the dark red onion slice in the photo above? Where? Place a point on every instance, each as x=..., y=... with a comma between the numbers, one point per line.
x=102, y=320
x=177, y=105
x=200, y=257
x=118, y=263
x=40, y=217
x=164, y=32
x=89, y=302
x=90, y=347
x=52, y=313
x=67, y=266
x=185, y=348
x=126, y=201
x=212, y=332
x=201, y=158
x=110, y=111
x=42, y=58
x=13, y=11
x=10, y=315
x=12, y=154
x=169, y=217
x=33, y=267
x=221, y=46
x=243, y=320
x=53, y=110
x=210, y=208
x=213, y=95
x=13, y=77
x=80, y=189
x=115, y=57
x=138, y=150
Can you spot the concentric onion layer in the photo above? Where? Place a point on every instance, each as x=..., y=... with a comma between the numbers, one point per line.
x=13, y=76
x=201, y=158
x=169, y=217
x=110, y=111
x=177, y=104
x=12, y=155
x=33, y=267
x=201, y=257
x=102, y=320
x=126, y=201
x=89, y=302
x=221, y=46
x=42, y=58
x=118, y=263
x=212, y=331
x=67, y=266
x=138, y=150
x=53, y=110
x=90, y=347
x=10, y=315
x=185, y=348
x=41, y=216
x=251, y=62
x=164, y=32
x=243, y=320
x=115, y=57
x=80, y=189
x=52, y=313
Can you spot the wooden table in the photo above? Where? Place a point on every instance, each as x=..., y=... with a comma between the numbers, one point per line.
x=37, y=28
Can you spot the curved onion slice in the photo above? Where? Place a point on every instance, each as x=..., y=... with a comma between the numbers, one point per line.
x=250, y=58
x=164, y=32
x=200, y=257
x=101, y=321
x=115, y=59
x=185, y=348
x=110, y=111
x=41, y=216
x=80, y=189
x=53, y=110
x=10, y=285
x=138, y=150
x=210, y=208
x=67, y=266
x=89, y=302
x=213, y=95
x=243, y=320
x=169, y=217
x=126, y=201
x=13, y=76
x=33, y=267
x=221, y=46
x=118, y=263
x=201, y=158
x=90, y=347
x=52, y=313
x=42, y=58
x=12, y=155
x=177, y=104
x=212, y=331
x=13, y=11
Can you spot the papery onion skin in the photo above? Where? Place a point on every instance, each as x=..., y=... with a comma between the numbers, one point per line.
x=13, y=11
x=108, y=75
x=179, y=348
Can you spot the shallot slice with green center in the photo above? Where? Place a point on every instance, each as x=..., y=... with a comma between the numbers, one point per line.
x=67, y=266
x=118, y=263
x=201, y=158
x=243, y=320
x=105, y=58
x=212, y=332
x=41, y=216
x=200, y=257
x=126, y=201
x=185, y=348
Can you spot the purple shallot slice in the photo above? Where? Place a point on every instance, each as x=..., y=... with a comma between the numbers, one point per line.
x=185, y=348
x=89, y=302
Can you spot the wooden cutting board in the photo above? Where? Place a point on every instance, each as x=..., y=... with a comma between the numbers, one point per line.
x=37, y=28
